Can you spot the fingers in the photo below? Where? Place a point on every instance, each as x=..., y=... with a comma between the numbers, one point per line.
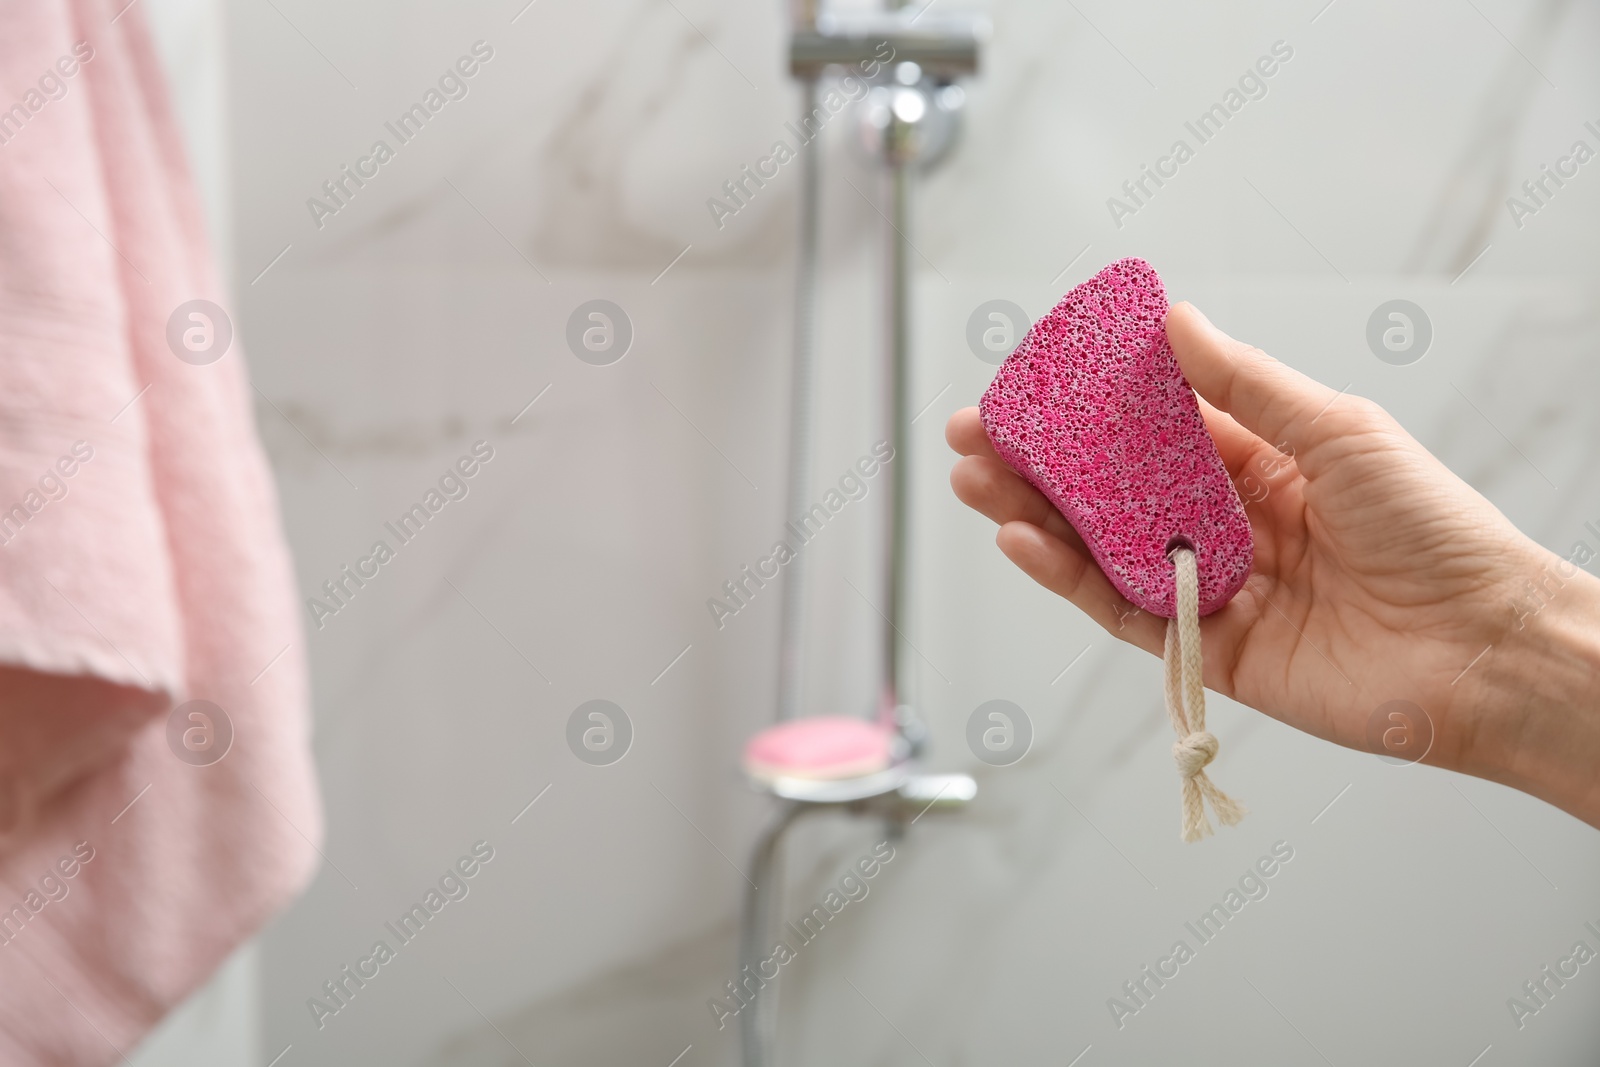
x=983, y=482
x=1069, y=571
x=965, y=434
x=990, y=487
x=1043, y=544
x=1274, y=402
x=1240, y=449
x=1039, y=540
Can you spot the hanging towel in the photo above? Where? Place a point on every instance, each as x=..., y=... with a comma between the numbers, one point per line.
x=142, y=566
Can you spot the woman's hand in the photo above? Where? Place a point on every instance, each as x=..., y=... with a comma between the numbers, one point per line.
x=1379, y=576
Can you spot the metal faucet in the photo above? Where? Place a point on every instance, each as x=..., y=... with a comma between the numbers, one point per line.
x=907, y=121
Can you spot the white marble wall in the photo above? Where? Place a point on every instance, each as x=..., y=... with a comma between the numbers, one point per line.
x=427, y=314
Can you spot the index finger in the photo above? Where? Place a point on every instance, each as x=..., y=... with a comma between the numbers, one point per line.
x=1270, y=399
x=965, y=433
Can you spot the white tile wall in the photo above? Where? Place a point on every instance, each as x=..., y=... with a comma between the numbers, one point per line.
x=426, y=315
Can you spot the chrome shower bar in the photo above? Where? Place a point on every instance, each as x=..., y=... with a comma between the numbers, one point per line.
x=944, y=47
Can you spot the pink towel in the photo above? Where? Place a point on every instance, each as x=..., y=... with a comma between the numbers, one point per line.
x=141, y=566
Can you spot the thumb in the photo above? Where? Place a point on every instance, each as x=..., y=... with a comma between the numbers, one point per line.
x=1273, y=401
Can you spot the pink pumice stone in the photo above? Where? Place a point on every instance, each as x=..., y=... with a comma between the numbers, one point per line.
x=1093, y=411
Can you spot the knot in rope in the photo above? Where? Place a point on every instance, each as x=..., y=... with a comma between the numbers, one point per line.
x=1192, y=753
x=1186, y=705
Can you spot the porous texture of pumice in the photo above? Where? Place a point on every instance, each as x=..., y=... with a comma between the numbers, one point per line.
x=1092, y=409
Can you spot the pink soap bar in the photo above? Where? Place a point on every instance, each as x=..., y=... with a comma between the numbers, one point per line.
x=821, y=746
x=1092, y=410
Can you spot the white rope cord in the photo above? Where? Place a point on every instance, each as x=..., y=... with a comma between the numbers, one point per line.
x=1186, y=704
